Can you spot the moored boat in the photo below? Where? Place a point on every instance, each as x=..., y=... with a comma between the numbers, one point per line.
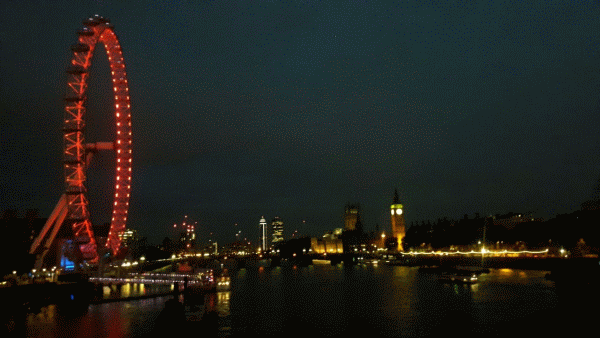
x=223, y=283
x=458, y=277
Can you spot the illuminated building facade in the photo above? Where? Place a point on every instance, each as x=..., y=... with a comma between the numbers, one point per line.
x=277, y=225
x=351, y=218
x=397, y=220
x=263, y=234
x=127, y=237
x=326, y=245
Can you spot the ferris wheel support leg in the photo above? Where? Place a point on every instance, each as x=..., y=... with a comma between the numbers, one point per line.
x=62, y=202
x=48, y=243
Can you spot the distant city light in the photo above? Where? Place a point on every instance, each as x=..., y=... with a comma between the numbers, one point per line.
x=500, y=252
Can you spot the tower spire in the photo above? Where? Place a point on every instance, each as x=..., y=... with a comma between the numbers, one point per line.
x=397, y=221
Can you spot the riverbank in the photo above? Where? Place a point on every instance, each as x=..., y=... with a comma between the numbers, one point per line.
x=522, y=263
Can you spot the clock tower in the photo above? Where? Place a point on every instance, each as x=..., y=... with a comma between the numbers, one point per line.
x=397, y=219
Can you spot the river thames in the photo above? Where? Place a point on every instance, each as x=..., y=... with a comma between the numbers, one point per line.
x=373, y=300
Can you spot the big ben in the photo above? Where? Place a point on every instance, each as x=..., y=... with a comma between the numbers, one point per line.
x=397, y=218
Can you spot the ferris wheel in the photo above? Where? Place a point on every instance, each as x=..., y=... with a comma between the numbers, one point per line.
x=72, y=209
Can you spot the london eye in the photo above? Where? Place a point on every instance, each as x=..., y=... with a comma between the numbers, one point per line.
x=72, y=209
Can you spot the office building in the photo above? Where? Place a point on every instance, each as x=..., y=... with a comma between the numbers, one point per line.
x=277, y=226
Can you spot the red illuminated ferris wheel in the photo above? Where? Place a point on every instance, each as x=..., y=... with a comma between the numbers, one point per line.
x=72, y=208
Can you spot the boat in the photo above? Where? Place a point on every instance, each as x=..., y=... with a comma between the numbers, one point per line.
x=223, y=283
x=432, y=269
x=460, y=277
x=476, y=270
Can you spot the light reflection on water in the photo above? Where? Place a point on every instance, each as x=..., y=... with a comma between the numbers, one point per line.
x=133, y=290
x=328, y=301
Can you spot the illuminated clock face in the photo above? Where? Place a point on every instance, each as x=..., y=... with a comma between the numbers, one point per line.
x=392, y=211
x=398, y=211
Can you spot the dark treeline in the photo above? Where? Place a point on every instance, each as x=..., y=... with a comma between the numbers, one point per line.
x=578, y=232
x=17, y=232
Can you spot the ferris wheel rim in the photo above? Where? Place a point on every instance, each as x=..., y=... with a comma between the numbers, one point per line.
x=96, y=30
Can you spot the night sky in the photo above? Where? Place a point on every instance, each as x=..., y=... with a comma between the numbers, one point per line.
x=296, y=108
